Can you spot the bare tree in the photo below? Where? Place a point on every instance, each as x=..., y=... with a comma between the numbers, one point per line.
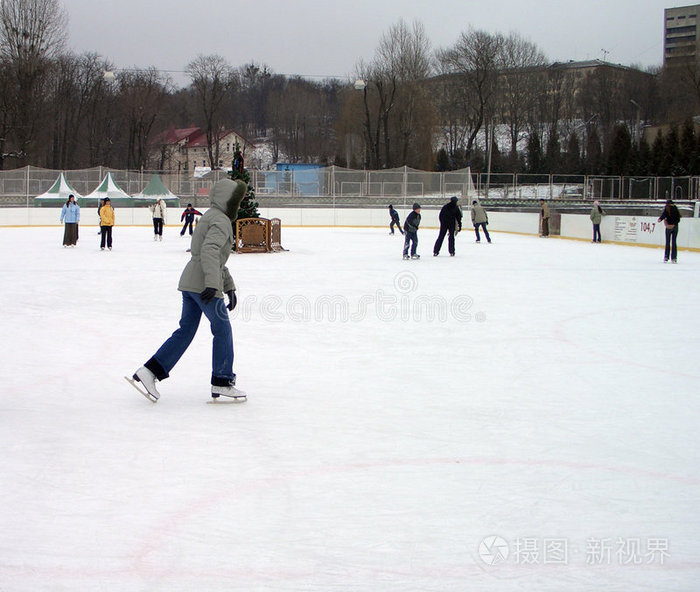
x=302, y=114
x=473, y=63
x=256, y=83
x=141, y=92
x=32, y=33
x=396, y=74
x=521, y=64
x=212, y=78
x=407, y=51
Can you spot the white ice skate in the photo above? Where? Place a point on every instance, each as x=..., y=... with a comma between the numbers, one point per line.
x=229, y=393
x=148, y=381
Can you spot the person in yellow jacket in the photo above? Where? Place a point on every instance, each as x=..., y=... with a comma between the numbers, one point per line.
x=106, y=224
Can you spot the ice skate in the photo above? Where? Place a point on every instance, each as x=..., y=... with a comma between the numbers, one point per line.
x=415, y=256
x=230, y=393
x=406, y=257
x=148, y=381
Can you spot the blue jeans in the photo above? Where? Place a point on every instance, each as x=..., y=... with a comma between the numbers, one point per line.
x=671, y=238
x=410, y=240
x=486, y=232
x=222, y=350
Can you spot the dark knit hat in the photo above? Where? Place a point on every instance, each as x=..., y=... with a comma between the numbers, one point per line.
x=454, y=198
x=416, y=206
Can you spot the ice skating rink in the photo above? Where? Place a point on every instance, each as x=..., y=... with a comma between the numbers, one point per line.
x=523, y=416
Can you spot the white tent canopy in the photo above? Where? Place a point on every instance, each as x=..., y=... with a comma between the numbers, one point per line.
x=60, y=190
x=108, y=188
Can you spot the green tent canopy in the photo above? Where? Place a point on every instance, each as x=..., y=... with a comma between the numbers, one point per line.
x=154, y=191
x=108, y=188
x=57, y=194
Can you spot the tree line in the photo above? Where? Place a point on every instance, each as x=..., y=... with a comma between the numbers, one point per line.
x=488, y=100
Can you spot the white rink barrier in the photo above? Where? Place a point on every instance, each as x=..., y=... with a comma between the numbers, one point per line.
x=633, y=230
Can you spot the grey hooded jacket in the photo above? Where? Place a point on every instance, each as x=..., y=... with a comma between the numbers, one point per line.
x=212, y=241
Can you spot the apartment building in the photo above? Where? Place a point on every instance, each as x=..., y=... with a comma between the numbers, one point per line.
x=681, y=41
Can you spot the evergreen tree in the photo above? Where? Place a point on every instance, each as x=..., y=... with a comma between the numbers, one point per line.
x=657, y=155
x=535, y=158
x=643, y=158
x=695, y=165
x=572, y=156
x=442, y=160
x=552, y=157
x=594, y=155
x=671, y=147
x=496, y=158
x=687, y=153
x=249, y=207
x=620, y=149
x=633, y=160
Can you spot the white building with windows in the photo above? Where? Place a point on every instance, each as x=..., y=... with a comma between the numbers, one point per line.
x=183, y=150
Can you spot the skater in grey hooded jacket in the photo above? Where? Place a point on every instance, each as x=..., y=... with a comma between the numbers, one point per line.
x=203, y=284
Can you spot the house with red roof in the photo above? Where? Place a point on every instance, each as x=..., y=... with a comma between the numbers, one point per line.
x=184, y=149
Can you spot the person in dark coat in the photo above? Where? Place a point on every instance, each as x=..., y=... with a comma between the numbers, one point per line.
x=410, y=228
x=450, y=224
x=188, y=216
x=671, y=217
x=394, y=220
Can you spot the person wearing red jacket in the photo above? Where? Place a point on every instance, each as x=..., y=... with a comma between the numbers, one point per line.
x=188, y=216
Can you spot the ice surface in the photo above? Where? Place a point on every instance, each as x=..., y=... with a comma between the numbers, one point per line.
x=401, y=416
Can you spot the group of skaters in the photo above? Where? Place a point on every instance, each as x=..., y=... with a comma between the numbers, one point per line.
x=70, y=217
x=451, y=224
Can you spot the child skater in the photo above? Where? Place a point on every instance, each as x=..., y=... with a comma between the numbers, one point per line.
x=410, y=227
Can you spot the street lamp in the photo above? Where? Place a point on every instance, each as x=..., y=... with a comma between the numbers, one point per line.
x=490, y=150
x=637, y=130
x=361, y=85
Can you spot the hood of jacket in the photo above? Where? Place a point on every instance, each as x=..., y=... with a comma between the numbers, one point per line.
x=226, y=195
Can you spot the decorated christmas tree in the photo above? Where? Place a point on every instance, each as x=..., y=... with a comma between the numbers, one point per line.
x=249, y=207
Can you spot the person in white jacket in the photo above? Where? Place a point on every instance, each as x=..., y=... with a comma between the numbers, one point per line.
x=158, y=210
x=480, y=218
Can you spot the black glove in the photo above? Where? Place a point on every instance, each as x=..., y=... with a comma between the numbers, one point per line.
x=232, y=300
x=207, y=295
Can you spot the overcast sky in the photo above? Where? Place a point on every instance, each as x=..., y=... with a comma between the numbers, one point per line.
x=328, y=37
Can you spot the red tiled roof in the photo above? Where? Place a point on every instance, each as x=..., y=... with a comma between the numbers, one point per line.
x=175, y=136
x=194, y=136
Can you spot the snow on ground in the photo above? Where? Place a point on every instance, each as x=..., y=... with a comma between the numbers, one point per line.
x=520, y=417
